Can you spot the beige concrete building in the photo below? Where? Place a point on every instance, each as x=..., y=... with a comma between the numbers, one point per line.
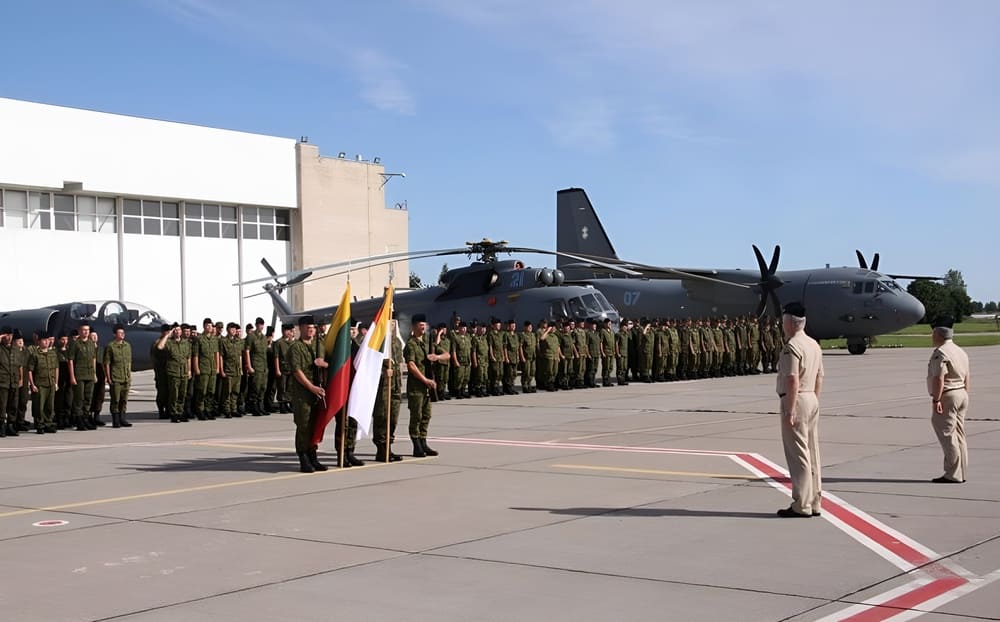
x=169, y=216
x=342, y=215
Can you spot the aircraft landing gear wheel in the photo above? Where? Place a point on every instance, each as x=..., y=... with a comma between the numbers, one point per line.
x=856, y=347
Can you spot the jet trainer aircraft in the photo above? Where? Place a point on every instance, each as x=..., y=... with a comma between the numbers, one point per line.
x=485, y=289
x=142, y=324
x=854, y=303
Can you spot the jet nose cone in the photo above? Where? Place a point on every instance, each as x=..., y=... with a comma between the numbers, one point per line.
x=910, y=311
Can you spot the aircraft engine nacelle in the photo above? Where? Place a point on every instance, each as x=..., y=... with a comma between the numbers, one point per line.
x=558, y=278
x=544, y=276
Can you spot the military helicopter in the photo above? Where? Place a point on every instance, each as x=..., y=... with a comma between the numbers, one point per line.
x=855, y=303
x=142, y=324
x=487, y=288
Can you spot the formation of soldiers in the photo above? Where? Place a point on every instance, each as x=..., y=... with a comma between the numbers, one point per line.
x=222, y=372
x=486, y=358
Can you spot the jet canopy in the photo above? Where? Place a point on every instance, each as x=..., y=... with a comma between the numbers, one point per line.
x=129, y=314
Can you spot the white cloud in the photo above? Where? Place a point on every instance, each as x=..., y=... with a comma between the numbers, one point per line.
x=310, y=34
x=917, y=74
x=587, y=124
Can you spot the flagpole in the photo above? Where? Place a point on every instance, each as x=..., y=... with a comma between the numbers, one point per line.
x=342, y=447
x=388, y=409
x=390, y=376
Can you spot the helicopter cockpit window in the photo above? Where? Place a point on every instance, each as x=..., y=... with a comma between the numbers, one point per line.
x=869, y=287
x=892, y=285
x=591, y=302
x=557, y=310
x=576, y=308
x=605, y=305
x=881, y=288
x=857, y=287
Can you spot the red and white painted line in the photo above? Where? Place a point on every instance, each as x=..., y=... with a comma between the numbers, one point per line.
x=936, y=581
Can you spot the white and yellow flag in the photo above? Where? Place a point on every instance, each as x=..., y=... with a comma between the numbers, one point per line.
x=376, y=347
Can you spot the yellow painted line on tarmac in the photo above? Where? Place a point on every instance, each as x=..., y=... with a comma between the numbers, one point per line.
x=160, y=493
x=178, y=491
x=654, y=471
x=666, y=427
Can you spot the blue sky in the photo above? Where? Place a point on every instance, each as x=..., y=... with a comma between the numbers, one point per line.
x=697, y=128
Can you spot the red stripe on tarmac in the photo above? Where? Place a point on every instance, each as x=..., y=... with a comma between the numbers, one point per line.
x=885, y=540
x=909, y=600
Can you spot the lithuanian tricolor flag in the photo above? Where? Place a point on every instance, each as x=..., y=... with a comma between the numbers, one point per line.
x=337, y=348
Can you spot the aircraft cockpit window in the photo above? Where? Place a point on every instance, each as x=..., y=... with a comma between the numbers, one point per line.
x=576, y=308
x=113, y=312
x=881, y=288
x=82, y=311
x=557, y=310
x=857, y=287
x=591, y=302
x=892, y=285
x=605, y=305
x=869, y=287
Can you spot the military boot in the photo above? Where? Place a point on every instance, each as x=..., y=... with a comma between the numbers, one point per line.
x=122, y=421
x=305, y=466
x=427, y=450
x=352, y=459
x=314, y=460
x=115, y=420
x=97, y=421
x=418, y=448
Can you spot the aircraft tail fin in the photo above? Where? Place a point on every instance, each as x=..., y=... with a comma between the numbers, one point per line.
x=578, y=229
x=281, y=306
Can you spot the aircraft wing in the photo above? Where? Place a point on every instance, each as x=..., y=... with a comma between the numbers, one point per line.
x=604, y=267
x=915, y=278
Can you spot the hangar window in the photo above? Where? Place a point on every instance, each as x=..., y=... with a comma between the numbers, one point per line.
x=39, y=210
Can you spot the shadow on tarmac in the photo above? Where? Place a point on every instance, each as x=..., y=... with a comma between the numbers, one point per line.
x=277, y=462
x=648, y=512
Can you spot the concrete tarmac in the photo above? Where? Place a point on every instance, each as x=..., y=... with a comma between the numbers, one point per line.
x=651, y=501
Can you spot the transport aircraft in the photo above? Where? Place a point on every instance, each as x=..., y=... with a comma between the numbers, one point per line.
x=853, y=303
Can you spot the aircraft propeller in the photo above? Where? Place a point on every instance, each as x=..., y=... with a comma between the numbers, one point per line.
x=768, y=281
x=864, y=264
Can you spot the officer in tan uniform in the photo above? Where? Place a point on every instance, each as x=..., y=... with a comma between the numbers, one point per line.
x=800, y=379
x=948, y=386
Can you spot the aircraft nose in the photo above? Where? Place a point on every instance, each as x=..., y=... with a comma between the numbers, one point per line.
x=910, y=311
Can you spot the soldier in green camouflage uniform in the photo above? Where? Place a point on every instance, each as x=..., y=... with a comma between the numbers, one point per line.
x=390, y=381
x=480, y=361
x=548, y=355
x=586, y=365
x=255, y=364
x=11, y=379
x=206, y=367
x=21, y=357
x=304, y=392
x=511, y=357
x=647, y=350
x=661, y=348
x=753, y=336
x=177, y=353
x=461, y=361
x=673, y=356
x=441, y=344
x=528, y=356
x=419, y=385
x=569, y=356
x=622, y=339
x=43, y=379
x=282, y=367
x=82, y=375
x=118, y=370
x=231, y=352
x=608, y=354
x=494, y=338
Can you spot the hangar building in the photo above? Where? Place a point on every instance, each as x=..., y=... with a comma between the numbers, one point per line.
x=97, y=206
